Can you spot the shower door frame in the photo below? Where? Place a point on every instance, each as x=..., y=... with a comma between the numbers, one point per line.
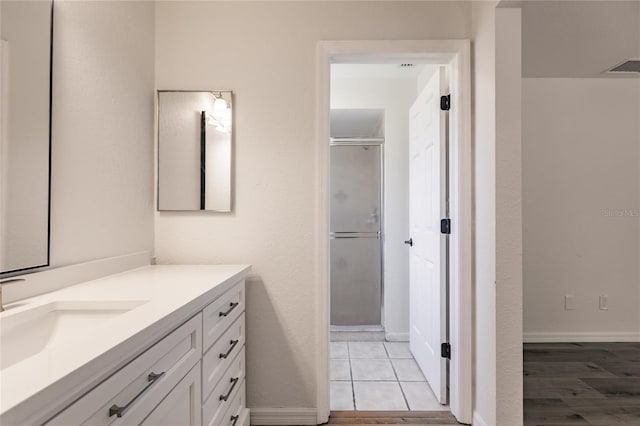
x=368, y=142
x=457, y=55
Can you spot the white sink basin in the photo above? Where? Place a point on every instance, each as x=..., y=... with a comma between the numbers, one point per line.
x=26, y=333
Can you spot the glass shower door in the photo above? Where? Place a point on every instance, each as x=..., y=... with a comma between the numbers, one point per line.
x=355, y=224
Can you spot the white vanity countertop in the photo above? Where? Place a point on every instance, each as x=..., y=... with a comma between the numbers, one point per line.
x=171, y=294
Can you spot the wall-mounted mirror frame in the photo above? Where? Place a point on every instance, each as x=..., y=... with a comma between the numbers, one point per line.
x=195, y=150
x=26, y=89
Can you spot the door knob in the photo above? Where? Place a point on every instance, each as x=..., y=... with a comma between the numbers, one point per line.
x=409, y=241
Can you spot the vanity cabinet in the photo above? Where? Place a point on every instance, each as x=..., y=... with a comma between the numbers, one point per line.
x=193, y=376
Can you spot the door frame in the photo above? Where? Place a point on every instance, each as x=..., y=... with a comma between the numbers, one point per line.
x=456, y=53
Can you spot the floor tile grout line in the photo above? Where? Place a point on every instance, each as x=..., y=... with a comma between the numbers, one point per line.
x=386, y=351
x=406, y=401
x=353, y=391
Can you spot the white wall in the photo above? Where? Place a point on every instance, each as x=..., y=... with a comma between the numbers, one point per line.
x=483, y=109
x=102, y=182
x=395, y=96
x=581, y=195
x=267, y=57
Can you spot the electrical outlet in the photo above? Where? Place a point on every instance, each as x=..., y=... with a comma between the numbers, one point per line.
x=604, y=302
x=569, y=302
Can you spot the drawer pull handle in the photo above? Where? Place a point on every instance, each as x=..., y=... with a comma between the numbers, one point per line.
x=121, y=411
x=232, y=307
x=234, y=419
x=233, y=344
x=233, y=381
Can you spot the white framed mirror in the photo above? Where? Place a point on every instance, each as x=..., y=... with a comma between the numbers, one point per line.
x=195, y=144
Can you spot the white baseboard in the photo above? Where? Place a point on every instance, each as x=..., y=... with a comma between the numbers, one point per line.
x=397, y=337
x=284, y=416
x=478, y=420
x=561, y=337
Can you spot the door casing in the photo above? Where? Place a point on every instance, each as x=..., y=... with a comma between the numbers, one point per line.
x=455, y=53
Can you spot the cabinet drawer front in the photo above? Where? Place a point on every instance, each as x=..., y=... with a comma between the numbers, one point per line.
x=219, y=315
x=235, y=412
x=133, y=391
x=182, y=405
x=225, y=391
x=217, y=360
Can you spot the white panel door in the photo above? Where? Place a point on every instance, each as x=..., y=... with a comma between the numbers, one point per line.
x=427, y=262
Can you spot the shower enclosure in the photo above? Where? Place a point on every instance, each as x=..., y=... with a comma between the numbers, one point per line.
x=356, y=155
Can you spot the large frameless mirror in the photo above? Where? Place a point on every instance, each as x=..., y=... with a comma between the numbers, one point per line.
x=194, y=150
x=25, y=136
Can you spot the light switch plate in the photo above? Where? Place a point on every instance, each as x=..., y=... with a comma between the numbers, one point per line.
x=569, y=302
x=604, y=302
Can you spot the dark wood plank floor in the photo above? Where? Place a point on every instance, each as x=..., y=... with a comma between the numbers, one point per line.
x=582, y=384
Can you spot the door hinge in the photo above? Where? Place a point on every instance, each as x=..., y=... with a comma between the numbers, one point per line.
x=445, y=226
x=445, y=350
x=445, y=102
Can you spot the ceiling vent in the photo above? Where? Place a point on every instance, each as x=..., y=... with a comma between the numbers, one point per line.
x=628, y=66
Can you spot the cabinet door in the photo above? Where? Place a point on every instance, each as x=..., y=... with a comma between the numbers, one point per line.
x=181, y=406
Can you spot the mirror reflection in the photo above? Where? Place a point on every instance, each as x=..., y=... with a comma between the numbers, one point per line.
x=25, y=72
x=194, y=150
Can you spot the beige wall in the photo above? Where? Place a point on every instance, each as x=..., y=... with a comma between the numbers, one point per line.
x=580, y=38
x=265, y=52
x=102, y=182
x=508, y=309
x=581, y=171
x=483, y=108
x=581, y=206
x=497, y=216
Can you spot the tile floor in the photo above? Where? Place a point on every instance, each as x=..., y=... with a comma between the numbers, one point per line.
x=380, y=376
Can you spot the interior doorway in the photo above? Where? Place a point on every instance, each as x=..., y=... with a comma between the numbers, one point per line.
x=388, y=258
x=390, y=350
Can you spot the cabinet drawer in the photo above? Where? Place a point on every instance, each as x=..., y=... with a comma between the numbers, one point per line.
x=220, y=314
x=217, y=360
x=130, y=394
x=182, y=405
x=225, y=391
x=236, y=412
